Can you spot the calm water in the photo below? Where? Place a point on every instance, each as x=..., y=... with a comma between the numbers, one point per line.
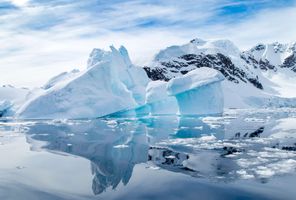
x=244, y=154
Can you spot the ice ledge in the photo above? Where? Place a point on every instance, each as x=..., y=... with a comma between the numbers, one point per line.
x=194, y=79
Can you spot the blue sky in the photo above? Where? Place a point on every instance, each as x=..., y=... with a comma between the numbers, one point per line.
x=45, y=37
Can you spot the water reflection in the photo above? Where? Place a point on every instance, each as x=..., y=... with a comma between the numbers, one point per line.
x=115, y=146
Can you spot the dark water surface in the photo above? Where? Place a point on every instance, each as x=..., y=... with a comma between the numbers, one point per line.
x=244, y=154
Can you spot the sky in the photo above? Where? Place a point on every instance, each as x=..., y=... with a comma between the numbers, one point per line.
x=42, y=38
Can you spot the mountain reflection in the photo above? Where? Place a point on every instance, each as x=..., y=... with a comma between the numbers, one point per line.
x=115, y=146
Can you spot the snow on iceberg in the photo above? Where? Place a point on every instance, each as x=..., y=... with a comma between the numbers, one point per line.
x=61, y=77
x=5, y=107
x=110, y=84
x=198, y=92
x=134, y=78
x=158, y=100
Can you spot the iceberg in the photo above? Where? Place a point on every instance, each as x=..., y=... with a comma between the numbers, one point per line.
x=108, y=85
x=198, y=92
x=61, y=77
x=134, y=78
x=138, y=111
x=158, y=100
x=11, y=98
x=5, y=107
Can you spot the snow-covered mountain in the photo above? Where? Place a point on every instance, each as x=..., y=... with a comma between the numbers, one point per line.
x=263, y=76
x=272, y=56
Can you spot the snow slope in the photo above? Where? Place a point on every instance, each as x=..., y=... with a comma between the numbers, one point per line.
x=276, y=62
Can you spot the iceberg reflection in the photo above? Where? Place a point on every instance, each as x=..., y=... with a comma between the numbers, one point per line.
x=115, y=146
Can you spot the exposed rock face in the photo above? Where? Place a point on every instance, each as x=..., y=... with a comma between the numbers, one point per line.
x=290, y=62
x=185, y=63
x=272, y=56
x=261, y=64
x=156, y=73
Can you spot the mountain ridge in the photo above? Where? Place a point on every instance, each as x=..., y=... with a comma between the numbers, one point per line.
x=266, y=71
x=237, y=66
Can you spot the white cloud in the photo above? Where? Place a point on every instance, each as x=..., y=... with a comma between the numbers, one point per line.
x=65, y=34
x=267, y=26
x=19, y=2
